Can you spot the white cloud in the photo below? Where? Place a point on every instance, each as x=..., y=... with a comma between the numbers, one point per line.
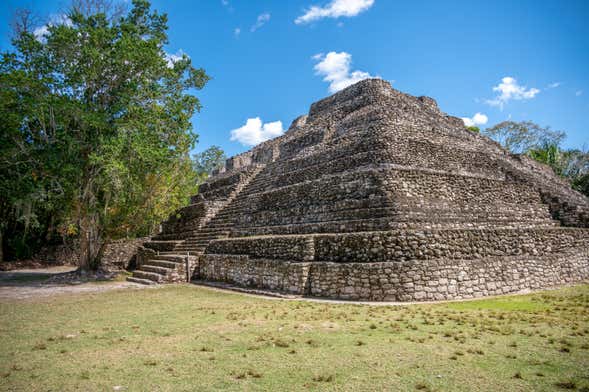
x=509, y=89
x=334, y=9
x=335, y=69
x=236, y=31
x=171, y=58
x=477, y=119
x=261, y=21
x=578, y=93
x=54, y=20
x=554, y=85
x=40, y=33
x=254, y=132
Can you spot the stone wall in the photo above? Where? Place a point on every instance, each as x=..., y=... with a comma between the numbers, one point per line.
x=429, y=280
x=117, y=254
x=120, y=253
x=59, y=254
x=276, y=275
x=404, y=245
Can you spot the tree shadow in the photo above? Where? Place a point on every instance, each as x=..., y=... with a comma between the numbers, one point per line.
x=55, y=276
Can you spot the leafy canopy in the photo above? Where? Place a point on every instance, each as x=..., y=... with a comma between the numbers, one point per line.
x=544, y=145
x=96, y=119
x=206, y=162
x=521, y=137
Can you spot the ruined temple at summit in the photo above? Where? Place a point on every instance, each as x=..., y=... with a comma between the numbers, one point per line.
x=377, y=195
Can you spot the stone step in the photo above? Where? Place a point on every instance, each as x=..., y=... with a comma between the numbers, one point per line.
x=162, y=245
x=154, y=276
x=223, y=217
x=207, y=236
x=195, y=250
x=149, y=267
x=222, y=231
x=203, y=239
x=222, y=225
x=170, y=256
x=196, y=245
x=178, y=236
x=221, y=221
x=202, y=244
x=207, y=231
x=162, y=242
x=140, y=281
x=163, y=263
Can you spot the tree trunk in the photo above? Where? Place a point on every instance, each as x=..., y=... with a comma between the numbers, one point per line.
x=90, y=243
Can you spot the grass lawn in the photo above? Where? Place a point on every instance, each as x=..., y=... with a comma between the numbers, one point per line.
x=186, y=338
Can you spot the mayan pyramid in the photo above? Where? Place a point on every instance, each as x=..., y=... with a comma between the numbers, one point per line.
x=377, y=195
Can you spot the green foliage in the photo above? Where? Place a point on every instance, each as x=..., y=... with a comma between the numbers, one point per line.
x=521, y=137
x=581, y=184
x=575, y=166
x=548, y=154
x=474, y=129
x=211, y=159
x=570, y=164
x=98, y=124
x=543, y=145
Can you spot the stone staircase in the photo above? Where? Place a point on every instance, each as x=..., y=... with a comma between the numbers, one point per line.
x=161, y=268
x=169, y=264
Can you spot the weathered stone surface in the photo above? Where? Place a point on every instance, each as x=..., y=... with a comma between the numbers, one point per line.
x=378, y=195
x=117, y=254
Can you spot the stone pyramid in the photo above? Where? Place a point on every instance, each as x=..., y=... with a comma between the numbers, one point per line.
x=377, y=195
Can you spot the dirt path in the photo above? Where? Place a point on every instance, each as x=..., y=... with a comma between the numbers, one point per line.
x=33, y=283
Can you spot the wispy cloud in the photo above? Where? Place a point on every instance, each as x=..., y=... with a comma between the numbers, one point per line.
x=554, y=85
x=334, y=9
x=477, y=119
x=255, y=132
x=260, y=21
x=236, y=31
x=578, y=93
x=508, y=90
x=335, y=69
x=227, y=5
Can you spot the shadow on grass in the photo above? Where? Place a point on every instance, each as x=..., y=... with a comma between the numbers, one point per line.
x=55, y=276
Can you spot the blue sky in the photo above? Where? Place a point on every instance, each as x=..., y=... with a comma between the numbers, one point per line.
x=535, y=54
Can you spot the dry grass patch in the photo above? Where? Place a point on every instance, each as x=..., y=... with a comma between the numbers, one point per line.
x=186, y=338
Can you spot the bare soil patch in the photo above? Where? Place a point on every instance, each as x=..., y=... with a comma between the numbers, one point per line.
x=48, y=281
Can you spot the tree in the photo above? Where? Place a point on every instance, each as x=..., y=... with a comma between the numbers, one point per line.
x=213, y=158
x=548, y=154
x=101, y=120
x=543, y=145
x=521, y=137
x=574, y=165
